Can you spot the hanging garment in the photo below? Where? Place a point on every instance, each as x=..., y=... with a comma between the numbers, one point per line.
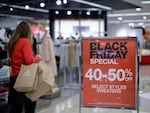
x=78, y=55
x=47, y=53
x=71, y=54
x=63, y=56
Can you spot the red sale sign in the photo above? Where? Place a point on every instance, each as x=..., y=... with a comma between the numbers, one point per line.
x=109, y=73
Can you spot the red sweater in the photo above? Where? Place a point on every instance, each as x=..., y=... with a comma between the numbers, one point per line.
x=22, y=54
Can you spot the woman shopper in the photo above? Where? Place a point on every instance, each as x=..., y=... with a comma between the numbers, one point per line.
x=20, y=52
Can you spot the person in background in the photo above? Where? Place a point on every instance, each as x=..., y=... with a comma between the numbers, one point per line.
x=34, y=45
x=20, y=52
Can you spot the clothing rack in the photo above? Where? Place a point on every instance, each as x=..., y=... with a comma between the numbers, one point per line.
x=70, y=63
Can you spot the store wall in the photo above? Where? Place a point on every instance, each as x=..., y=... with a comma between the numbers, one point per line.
x=87, y=27
x=114, y=30
x=123, y=30
x=8, y=22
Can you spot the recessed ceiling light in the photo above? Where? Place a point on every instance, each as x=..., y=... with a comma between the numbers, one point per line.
x=138, y=9
x=69, y=12
x=42, y=4
x=26, y=6
x=119, y=18
x=58, y=2
x=65, y=1
x=11, y=9
x=88, y=13
x=144, y=17
x=56, y=12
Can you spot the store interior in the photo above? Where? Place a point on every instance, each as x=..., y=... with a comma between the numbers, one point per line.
x=68, y=22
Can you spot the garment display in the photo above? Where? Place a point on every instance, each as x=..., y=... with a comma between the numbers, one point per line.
x=47, y=53
x=63, y=56
x=70, y=55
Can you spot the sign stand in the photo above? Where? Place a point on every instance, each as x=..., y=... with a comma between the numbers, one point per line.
x=138, y=79
x=109, y=79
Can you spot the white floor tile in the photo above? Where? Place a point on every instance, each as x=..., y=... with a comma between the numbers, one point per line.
x=145, y=95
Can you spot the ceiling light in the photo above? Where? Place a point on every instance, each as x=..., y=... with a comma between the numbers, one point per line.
x=11, y=9
x=58, y=2
x=56, y=12
x=128, y=14
x=42, y=4
x=65, y=1
x=69, y=12
x=125, y=21
x=119, y=18
x=144, y=17
x=23, y=7
x=88, y=13
x=145, y=2
x=26, y=6
x=92, y=4
x=138, y=9
x=129, y=21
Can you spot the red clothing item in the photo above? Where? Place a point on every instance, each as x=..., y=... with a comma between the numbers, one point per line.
x=22, y=54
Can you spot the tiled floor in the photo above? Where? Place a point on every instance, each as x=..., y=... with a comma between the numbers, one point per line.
x=69, y=101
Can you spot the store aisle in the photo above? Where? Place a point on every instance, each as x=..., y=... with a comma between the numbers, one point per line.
x=69, y=101
x=71, y=105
